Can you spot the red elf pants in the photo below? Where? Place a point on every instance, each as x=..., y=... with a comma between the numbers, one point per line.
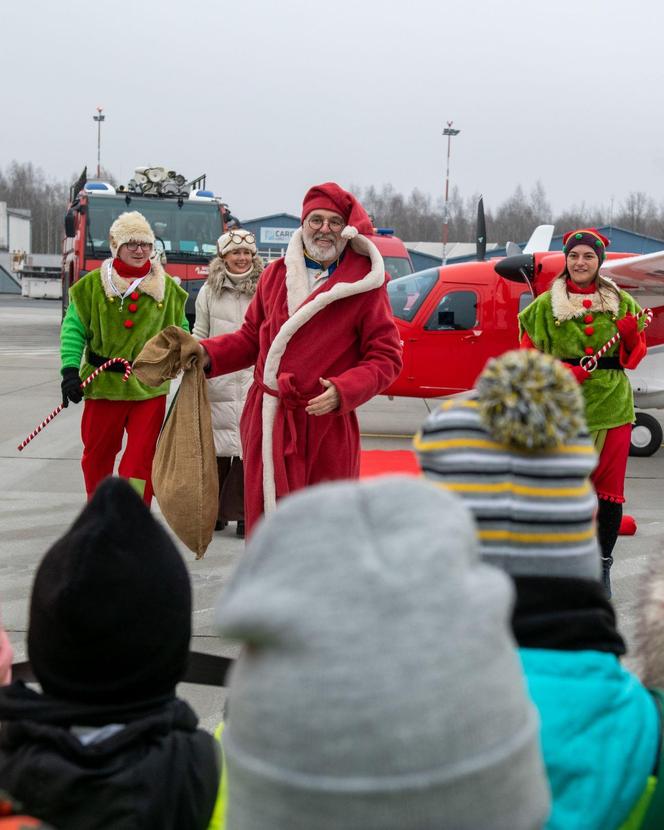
x=102, y=429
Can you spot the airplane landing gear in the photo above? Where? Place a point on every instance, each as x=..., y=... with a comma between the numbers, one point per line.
x=646, y=436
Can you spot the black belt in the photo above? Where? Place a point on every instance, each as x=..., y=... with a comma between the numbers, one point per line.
x=95, y=359
x=602, y=362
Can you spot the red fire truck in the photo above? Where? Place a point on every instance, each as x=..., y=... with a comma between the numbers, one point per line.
x=186, y=219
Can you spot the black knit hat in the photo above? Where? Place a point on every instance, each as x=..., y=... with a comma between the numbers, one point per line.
x=110, y=613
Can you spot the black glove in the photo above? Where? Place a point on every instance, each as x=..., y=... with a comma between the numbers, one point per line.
x=71, y=386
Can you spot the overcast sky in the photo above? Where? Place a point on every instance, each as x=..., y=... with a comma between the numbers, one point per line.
x=268, y=98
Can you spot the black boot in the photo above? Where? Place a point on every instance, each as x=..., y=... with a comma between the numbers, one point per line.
x=609, y=516
x=606, y=573
x=239, y=530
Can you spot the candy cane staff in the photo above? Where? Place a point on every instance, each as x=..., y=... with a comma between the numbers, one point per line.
x=575, y=318
x=58, y=409
x=113, y=311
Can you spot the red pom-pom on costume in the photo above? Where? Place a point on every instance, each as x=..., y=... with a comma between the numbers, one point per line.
x=132, y=307
x=588, y=318
x=128, y=324
x=589, y=350
x=135, y=295
x=588, y=329
x=587, y=303
x=627, y=526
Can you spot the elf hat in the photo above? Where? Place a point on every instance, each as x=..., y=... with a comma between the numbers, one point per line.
x=586, y=236
x=382, y=667
x=130, y=226
x=110, y=610
x=236, y=240
x=520, y=456
x=330, y=196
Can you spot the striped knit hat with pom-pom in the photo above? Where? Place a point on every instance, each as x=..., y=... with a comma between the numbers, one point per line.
x=519, y=453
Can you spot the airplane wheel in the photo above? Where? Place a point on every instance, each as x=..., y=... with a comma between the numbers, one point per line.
x=646, y=436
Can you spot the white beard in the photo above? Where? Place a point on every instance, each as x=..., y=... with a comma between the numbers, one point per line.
x=322, y=254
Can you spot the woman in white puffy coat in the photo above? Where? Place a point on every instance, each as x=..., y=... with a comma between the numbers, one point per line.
x=220, y=308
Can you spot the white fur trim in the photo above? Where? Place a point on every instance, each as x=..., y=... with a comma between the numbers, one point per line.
x=153, y=284
x=300, y=312
x=566, y=306
x=349, y=232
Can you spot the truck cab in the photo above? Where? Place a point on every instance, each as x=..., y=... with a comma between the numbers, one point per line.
x=394, y=253
x=186, y=222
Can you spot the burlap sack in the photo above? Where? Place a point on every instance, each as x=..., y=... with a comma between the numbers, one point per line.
x=184, y=470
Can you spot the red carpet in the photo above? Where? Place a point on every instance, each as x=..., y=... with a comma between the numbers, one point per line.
x=386, y=462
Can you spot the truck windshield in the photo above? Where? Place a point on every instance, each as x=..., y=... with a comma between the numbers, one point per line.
x=397, y=266
x=408, y=293
x=189, y=230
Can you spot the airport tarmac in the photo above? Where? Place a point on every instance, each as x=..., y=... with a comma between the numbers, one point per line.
x=42, y=488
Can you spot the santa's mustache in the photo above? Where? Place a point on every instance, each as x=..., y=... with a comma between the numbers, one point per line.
x=328, y=236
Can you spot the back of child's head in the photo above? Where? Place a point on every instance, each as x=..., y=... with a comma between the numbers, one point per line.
x=519, y=454
x=110, y=612
x=379, y=686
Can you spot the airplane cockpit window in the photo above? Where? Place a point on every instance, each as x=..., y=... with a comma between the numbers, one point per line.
x=457, y=311
x=524, y=300
x=408, y=293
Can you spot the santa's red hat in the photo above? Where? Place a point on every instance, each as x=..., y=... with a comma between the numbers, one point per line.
x=329, y=196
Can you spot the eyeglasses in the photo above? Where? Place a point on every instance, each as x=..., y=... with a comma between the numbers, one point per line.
x=317, y=222
x=134, y=246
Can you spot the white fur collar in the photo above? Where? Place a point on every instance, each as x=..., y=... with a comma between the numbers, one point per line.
x=153, y=284
x=301, y=310
x=218, y=278
x=566, y=306
x=297, y=279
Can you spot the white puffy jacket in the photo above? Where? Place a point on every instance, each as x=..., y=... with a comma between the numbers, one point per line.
x=220, y=308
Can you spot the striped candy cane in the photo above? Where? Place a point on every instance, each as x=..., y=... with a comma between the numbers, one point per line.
x=86, y=382
x=589, y=361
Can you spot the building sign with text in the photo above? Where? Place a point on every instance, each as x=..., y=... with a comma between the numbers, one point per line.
x=276, y=236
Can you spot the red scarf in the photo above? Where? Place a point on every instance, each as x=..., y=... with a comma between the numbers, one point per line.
x=573, y=288
x=130, y=272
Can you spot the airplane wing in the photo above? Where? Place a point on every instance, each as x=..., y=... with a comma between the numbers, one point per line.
x=645, y=271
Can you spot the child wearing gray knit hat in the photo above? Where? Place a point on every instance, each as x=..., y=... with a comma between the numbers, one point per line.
x=379, y=686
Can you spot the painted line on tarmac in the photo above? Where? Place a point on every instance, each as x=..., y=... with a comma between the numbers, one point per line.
x=27, y=352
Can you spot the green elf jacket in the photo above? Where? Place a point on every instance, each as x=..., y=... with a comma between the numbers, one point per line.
x=98, y=320
x=559, y=324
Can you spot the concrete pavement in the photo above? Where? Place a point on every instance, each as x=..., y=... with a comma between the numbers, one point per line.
x=42, y=488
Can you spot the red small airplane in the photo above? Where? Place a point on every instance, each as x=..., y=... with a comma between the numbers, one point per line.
x=453, y=318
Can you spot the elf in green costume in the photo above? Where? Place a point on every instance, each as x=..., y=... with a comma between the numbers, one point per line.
x=113, y=311
x=578, y=314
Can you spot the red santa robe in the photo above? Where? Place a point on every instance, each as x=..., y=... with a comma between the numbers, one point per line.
x=344, y=332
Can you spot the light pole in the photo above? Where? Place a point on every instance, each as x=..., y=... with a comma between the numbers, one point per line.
x=449, y=132
x=99, y=118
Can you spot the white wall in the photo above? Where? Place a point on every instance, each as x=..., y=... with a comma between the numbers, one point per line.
x=19, y=233
x=3, y=226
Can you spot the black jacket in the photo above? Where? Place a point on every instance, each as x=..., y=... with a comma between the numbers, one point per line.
x=159, y=772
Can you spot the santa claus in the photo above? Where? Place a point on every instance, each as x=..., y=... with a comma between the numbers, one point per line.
x=320, y=334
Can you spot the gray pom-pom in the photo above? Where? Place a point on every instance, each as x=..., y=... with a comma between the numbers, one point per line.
x=529, y=400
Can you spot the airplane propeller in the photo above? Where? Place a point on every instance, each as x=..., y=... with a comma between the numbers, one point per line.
x=480, y=235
